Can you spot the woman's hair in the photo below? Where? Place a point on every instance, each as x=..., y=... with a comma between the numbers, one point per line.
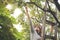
x=38, y=28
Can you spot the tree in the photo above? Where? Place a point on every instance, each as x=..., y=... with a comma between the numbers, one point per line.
x=36, y=10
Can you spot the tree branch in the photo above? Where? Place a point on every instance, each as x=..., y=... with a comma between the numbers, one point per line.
x=50, y=11
x=57, y=4
x=48, y=36
x=47, y=22
x=36, y=20
x=50, y=23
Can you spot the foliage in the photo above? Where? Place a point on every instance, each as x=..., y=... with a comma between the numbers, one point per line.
x=36, y=12
x=6, y=24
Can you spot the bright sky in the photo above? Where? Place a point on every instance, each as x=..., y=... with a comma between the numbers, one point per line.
x=16, y=12
x=59, y=1
x=26, y=0
x=9, y=6
x=18, y=27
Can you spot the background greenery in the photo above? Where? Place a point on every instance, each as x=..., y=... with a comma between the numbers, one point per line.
x=7, y=30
